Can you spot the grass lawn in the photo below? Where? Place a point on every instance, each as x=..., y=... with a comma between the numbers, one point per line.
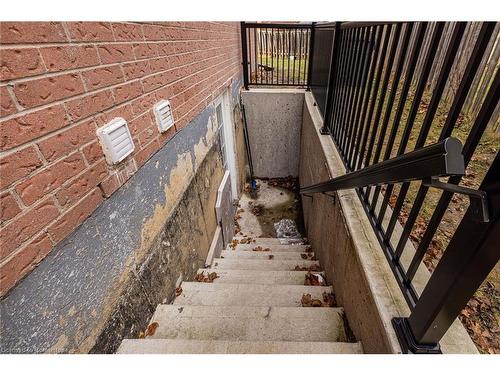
x=279, y=69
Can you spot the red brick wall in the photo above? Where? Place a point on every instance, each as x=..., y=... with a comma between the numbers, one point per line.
x=60, y=81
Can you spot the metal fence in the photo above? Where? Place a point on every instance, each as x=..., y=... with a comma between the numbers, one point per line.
x=392, y=91
x=275, y=54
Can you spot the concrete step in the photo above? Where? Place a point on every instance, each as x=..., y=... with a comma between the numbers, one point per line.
x=264, y=264
x=219, y=294
x=246, y=323
x=273, y=247
x=177, y=346
x=278, y=255
x=267, y=240
x=258, y=277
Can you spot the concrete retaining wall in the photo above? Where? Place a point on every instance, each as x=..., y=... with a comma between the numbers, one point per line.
x=348, y=250
x=274, y=117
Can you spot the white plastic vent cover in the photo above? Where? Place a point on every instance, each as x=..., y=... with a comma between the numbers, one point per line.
x=116, y=140
x=164, y=116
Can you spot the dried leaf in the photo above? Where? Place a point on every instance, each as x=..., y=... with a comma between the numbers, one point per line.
x=178, y=291
x=150, y=331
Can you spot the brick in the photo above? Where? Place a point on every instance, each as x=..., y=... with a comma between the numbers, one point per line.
x=110, y=185
x=93, y=152
x=75, y=215
x=8, y=207
x=113, y=53
x=67, y=141
x=90, y=31
x=47, y=90
x=18, y=165
x=7, y=106
x=69, y=57
x=127, y=32
x=24, y=128
x=102, y=77
x=50, y=178
x=26, y=226
x=141, y=123
x=20, y=62
x=88, y=105
x=162, y=63
x=136, y=69
x=77, y=188
x=24, y=261
x=32, y=32
x=127, y=91
x=147, y=136
x=143, y=156
x=153, y=32
x=124, y=111
x=163, y=138
x=143, y=103
x=144, y=50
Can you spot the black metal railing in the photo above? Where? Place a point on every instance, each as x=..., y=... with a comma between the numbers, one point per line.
x=372, y=83
x=275, y=54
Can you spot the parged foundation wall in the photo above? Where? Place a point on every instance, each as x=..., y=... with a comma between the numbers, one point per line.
x=103, y=283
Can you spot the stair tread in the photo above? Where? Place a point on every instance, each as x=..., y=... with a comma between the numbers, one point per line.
x=220, y=294
x=278, y=255
x=249, y=323
x=181, y=346
x=274, y=247
x=262, y=264
x=258, y=277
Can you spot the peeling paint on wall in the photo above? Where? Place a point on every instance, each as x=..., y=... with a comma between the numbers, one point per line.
x=104, y=281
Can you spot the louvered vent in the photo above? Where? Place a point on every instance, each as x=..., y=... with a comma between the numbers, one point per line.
x=116, y=140
x=164, y=116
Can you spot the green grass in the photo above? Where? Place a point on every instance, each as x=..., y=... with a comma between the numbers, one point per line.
x=282, y=69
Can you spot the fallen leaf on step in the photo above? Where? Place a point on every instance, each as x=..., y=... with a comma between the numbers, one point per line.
x=308, y=301
x=271, y=256
x=201, y=278
x=150, y=331
x=178, y=291
x=260, y=248
x=313, y=267
x=303, y=256
x=329, y=300
x=313, y=279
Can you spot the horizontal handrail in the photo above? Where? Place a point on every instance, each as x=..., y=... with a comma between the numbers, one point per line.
x=440, y=159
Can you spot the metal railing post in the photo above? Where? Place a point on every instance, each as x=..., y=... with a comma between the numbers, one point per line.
x=331, y=79
x=310, y=60
x=244, y=52
x=458, y=274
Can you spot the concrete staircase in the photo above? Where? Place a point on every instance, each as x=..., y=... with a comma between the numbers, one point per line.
x=254, y=305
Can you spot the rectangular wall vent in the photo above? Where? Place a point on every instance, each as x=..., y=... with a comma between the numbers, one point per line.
x=116, y=140
x=164, y=115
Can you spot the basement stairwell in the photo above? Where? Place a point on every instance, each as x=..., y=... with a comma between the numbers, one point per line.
x=254, y=298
